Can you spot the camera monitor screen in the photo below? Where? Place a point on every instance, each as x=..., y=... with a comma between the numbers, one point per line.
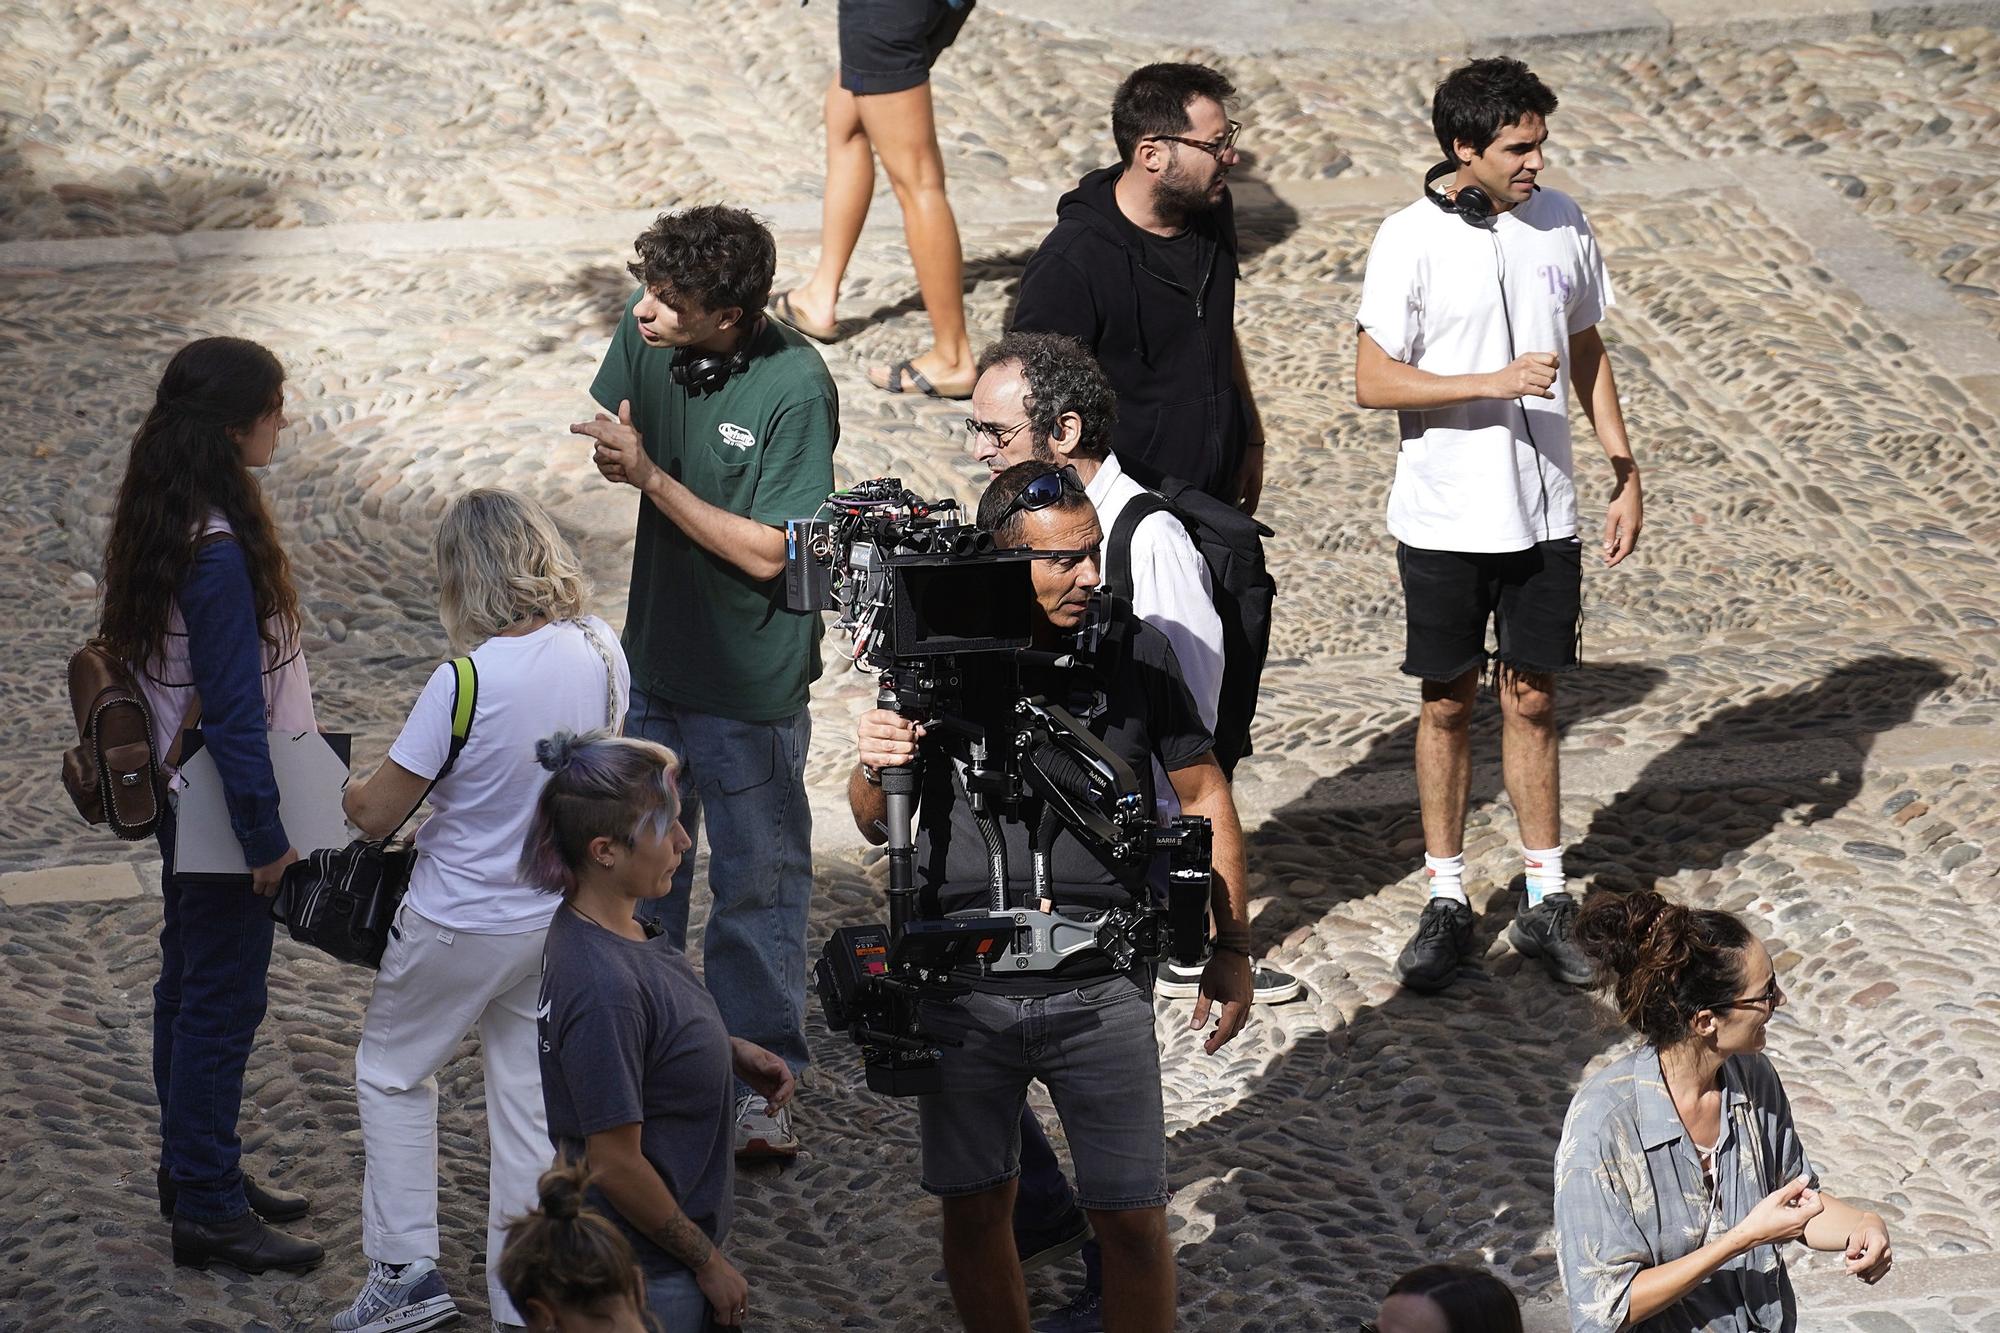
x=961, y=605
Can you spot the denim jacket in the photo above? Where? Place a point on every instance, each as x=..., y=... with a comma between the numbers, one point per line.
x=1630, y=1196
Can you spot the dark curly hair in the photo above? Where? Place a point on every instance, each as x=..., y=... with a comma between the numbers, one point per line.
x=1007, y=487
x=185, y=465
x=1476, y=101
x=713, y=256
x=1472, y=1299
x=566, y=1256
x=1663, y=963
x=1060, y=375
x=1154, y=99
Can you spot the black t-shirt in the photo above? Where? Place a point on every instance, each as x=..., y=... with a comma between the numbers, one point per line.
x=1147, y=711
x=1177, y=258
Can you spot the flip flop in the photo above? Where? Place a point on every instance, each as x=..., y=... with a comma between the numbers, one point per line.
x=781, y=310
x=903, y=370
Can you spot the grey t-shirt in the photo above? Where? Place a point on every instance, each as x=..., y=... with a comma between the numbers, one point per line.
x=629, y=1035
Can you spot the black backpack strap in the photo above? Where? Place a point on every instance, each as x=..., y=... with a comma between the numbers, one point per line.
x=1118, y=543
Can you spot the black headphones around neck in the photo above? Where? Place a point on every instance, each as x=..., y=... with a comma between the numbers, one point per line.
x=1470, y=202
x=707, y=374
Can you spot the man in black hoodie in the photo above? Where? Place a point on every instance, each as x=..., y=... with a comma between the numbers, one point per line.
x=1141, y=269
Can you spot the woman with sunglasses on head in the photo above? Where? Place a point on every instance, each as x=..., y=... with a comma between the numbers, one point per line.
x=1680, y=1176
x=199, y=601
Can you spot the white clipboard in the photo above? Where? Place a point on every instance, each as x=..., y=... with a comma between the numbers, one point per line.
x=311, y=769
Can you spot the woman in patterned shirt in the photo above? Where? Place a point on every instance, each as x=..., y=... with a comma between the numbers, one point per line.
x=1680, y=1176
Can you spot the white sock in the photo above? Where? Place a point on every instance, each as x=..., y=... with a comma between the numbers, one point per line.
x=1447, y=876
x=1545, y=873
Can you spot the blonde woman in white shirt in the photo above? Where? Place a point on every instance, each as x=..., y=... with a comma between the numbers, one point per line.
x=466, y=950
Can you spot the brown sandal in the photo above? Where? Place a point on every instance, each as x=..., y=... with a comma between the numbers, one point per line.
x=782, y=311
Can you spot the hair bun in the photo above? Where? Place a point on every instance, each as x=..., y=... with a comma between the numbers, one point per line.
x=561, y=1191
x=555, y=752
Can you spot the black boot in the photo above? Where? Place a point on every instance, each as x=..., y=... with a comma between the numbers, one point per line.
x=269, y=1204
x=242, y=1243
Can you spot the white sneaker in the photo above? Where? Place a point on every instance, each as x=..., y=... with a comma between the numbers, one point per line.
x=762, y=1133
x=1268, y=985
x=392, y=1302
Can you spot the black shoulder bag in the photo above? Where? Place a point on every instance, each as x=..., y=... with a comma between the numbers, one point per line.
x=342, y=900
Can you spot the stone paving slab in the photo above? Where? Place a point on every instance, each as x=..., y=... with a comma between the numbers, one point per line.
x=1789, y=707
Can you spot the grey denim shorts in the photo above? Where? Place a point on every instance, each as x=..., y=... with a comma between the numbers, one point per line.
x=1093, y=1048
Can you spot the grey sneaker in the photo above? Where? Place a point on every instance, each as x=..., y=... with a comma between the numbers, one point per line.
x=392, y=1302
x=764, y=1134
x=1268, y=985
x=1547, y=932
x=1443, y=939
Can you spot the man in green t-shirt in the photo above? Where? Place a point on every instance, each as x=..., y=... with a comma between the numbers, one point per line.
x=725, y=423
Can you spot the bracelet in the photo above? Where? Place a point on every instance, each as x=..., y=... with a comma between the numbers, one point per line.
x=871, y=776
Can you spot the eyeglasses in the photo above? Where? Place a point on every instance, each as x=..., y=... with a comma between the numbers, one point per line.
x=1215, y=148
x=1770, y=996
x=1000, y=435
x=1043, y=491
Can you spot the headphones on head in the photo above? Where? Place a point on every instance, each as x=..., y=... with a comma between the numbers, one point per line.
x=1470, y=203
x=707, y=374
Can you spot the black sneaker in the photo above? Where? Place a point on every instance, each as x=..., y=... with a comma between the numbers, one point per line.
x=1059, y=1239
x=1443, y=939
x=1547, y=931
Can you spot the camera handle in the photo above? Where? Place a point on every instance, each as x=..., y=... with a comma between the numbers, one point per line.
x=899, y=794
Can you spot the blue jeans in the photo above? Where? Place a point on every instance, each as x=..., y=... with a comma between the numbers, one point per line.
x=675, y=1302
x=745, y=782
x=215, y=948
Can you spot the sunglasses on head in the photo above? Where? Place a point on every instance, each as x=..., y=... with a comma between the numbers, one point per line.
x=1043, y=491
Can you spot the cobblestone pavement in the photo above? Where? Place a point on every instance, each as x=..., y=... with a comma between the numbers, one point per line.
x=1789, y=708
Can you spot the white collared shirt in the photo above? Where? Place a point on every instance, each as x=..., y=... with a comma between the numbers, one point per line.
x=1170, y=592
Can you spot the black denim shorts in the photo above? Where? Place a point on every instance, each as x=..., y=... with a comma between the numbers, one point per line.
x=1534, y=599
x=887, y=46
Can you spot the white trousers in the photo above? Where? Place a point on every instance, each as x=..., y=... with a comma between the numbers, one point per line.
x=434, y=986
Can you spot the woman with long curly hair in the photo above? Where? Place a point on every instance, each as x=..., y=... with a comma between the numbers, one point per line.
x=1680, y=1177
x=198, y=600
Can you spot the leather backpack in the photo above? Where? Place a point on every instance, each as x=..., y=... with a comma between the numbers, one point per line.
x=112, y=772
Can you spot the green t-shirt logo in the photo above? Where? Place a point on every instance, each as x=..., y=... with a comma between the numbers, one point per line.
x=733, y=434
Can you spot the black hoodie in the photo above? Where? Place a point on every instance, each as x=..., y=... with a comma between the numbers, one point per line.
x=1167, y=348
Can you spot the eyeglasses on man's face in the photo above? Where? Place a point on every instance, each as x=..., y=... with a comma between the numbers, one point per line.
x=1001, y=436
x=1215, y=148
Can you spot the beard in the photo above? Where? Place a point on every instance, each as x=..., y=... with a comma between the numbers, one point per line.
x=1176, y=198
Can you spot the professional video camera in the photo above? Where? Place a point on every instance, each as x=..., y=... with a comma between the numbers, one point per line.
x=946, y=619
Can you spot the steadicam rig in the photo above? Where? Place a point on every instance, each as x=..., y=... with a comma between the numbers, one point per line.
x=948, y=622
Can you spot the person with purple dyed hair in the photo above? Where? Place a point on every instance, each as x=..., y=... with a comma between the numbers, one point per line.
x=638, y=1071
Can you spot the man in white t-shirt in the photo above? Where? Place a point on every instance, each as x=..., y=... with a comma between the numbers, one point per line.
x=1043, y=397
x=1478, y=318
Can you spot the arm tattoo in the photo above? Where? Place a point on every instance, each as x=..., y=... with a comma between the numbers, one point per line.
x=681, y=1238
